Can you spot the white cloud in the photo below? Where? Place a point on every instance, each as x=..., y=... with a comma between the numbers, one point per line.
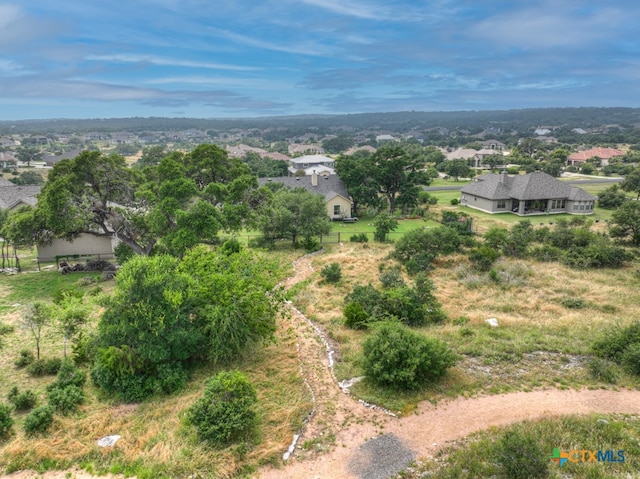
x=155, y=60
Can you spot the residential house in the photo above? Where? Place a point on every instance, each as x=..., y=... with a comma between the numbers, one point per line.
x=604, y=155
x=305, y=149
x=530, y=194
x=469, y=154
x=51, y=160
x=320, y=164
x=330, y=187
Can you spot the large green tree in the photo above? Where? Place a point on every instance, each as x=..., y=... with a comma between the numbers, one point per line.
x=186, y=199
x=294, y=213
x=357, y=172
x=631, y=182
x=398, y=169
x=625, y=222
x=167, y=313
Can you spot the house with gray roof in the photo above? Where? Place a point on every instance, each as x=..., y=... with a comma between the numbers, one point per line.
x=523, y=195
x=331, y=187
x=13, y=196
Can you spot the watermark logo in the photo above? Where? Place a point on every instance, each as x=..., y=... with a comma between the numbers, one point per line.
x=584, y=455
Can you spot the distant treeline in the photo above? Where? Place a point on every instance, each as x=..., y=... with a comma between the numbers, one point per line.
x=400, y=122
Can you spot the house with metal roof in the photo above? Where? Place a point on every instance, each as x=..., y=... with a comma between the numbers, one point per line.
x=531, y=194
x=331, y=187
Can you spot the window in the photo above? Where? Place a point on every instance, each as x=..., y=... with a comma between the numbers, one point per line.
x=502, y=204
x=336, y=210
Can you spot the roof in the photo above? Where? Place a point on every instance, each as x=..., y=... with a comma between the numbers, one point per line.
x=319, y=169
x=532, y=186
x=328, y=186
x=598, y=152
x=12, y=196
x=311, y=159
x=461, y=153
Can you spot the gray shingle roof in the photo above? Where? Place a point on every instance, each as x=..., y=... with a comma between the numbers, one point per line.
x=12, y=196
x=532, y=186
x=328, y=186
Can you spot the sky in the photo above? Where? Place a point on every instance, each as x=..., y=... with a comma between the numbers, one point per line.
x=246, y=58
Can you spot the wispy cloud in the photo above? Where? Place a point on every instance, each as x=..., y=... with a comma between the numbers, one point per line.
x=156, y=60
x=307, y=47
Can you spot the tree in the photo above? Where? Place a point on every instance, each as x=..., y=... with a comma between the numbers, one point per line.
x=151, y=156
x=294, y=213
x=457, y=169
x=397, y=169
x=35, y=318
x=492, y=161
x=631, y=182
x=625, y=222
x=28, y=178
x=71, y=314
x=611, y=197
x=384, y=224
x=338, y=144
x=357, y=171
x=28, y=154
x=184, y=200
x=167, y=313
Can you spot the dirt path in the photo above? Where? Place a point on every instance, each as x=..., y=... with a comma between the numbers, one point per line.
x=340, y=426
x=350, y=424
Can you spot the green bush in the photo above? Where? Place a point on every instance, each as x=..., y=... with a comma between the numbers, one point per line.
x=390, y=277
x=39, y=420
x=483, y=257
x=454, y=201
x=355, y=316
x=6, y=421
x=65, y=400
x=602, y=370
x=521, y=456
x=418, y=248
x=359, y=238
x=615, y=341
x=44, y=367
x=573, y=303
x=25, y=358
x=332, y=273
x=396, y=357
x=22, y=401
x=631, y=359
x=226, y=411
x=69, y=375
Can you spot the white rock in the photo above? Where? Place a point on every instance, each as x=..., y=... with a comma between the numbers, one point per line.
x=108, y=441
x=493, y=322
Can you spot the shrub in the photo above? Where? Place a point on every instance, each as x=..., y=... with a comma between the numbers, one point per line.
x=359, y=238
x=483, y=257
x=231, y=246
x=65, y=400
x=521, y=456
x=455, y=201
x=331, y=273
x=69, y=375
x=616, y=340
x=602, y=370
x=226, y=411
x=399, y=358
x=22, y=401
x=573, y=303
x=547, y=253
x=25, y=358
x=39, y=420
x=390, y=277
x=418, y=248
x=355, y=316
x=631, y=359
x=6, y=421
x=44, y=367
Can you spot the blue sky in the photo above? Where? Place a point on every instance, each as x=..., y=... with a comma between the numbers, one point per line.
x=242, y=58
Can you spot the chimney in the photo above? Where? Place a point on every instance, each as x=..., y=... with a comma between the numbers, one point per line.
x=503, y=176
x=314, y=178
